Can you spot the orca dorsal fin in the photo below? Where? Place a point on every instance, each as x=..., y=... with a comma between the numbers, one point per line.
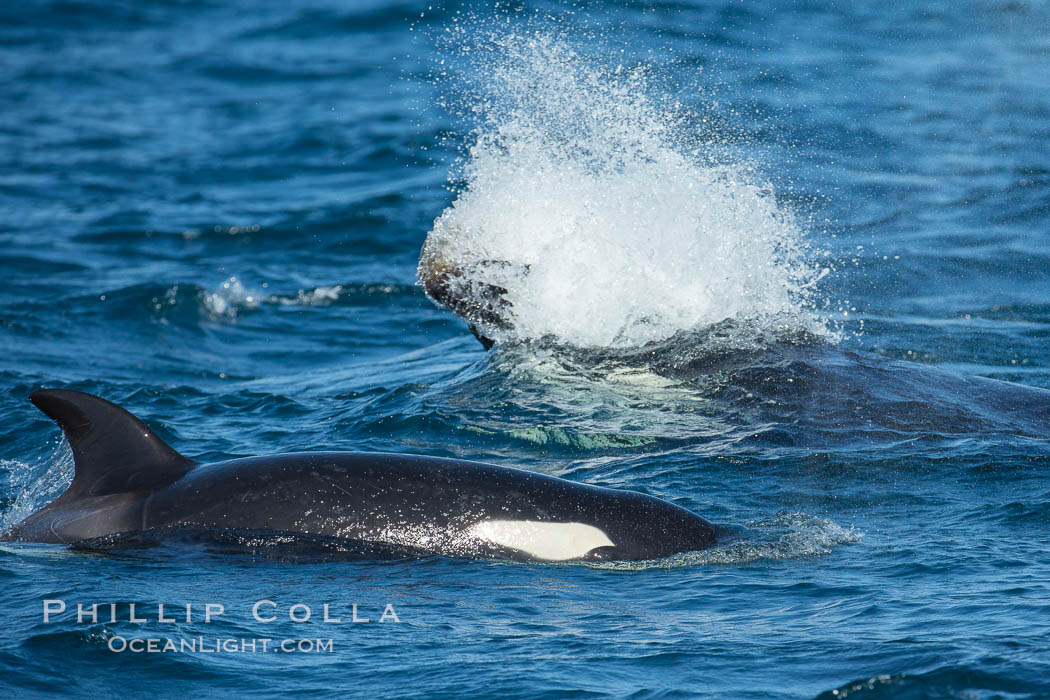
x=113, y=451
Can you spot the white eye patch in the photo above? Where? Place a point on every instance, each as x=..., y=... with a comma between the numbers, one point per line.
x=549, y=541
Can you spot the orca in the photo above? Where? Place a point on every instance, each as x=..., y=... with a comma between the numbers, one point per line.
x=127, y=481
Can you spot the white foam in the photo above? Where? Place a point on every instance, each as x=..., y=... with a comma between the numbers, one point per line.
x=319, y=296
x=228, y=299
x=616, y=231
x=39, y=484
x=784, y=536
x=232, y=297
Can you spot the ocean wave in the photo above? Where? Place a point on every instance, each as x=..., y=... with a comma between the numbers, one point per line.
x=188, y=304
x=948, y=683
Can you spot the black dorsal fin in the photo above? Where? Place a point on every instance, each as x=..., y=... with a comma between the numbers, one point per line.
x=113, y=451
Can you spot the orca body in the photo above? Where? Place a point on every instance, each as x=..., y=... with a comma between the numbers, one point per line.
x=127, y=480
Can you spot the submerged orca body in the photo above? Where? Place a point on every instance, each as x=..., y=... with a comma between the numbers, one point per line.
x=127, y=480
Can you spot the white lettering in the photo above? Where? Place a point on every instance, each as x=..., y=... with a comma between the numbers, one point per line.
x=213, y=609
x=53, y=607
x=299, y=606
x=82, y=613
x=389, y=614
x=330, y=619
x=160, y=614
x=259, y=604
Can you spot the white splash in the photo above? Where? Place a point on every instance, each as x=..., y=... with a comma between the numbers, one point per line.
x=784, y=536
x=228, y=299
x=37, y=484
x=615, y=233
x=233, y=297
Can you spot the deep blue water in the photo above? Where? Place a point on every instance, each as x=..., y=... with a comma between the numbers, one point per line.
x=211, y=213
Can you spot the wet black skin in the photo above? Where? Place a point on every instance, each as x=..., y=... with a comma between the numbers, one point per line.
x=128, y=480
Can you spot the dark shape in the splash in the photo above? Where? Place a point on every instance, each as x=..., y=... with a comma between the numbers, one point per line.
x=463, y=291
x=127, y=482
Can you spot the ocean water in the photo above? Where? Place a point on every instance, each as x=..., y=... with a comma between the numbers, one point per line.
x=784, y=264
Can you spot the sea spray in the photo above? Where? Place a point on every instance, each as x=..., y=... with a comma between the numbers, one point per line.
x=601, y=215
